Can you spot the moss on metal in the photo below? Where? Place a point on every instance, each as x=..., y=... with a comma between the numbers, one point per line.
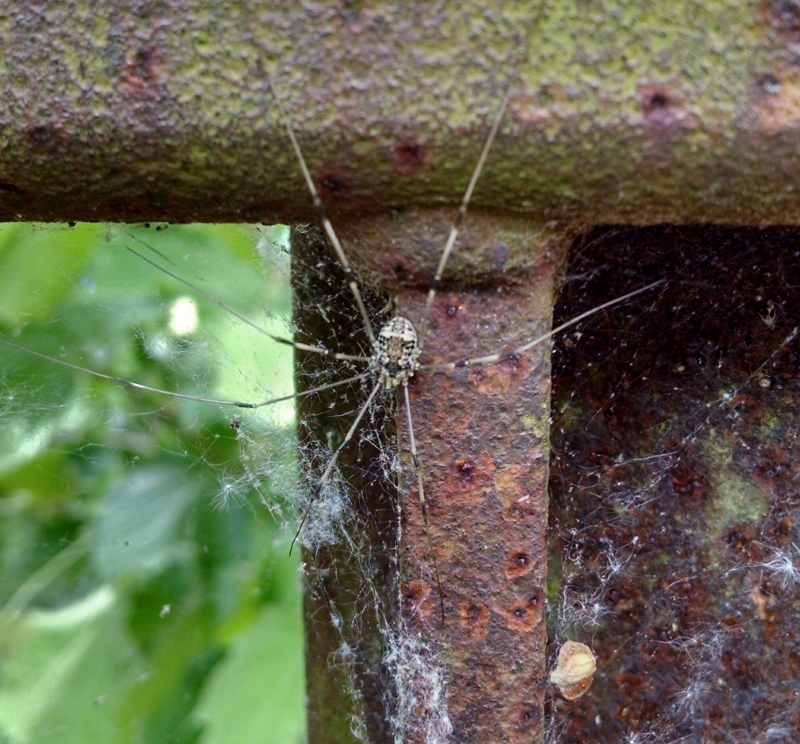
x=622, y=111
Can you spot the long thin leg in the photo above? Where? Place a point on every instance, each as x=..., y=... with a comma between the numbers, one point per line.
x=323, y=217
x=219, y=303
x=422, y=502
x=496, y=357
x=183, y=396
x=462, y=211
x=422, y=328
x=326, y=474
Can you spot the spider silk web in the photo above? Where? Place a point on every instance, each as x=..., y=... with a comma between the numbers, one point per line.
x=673, y=548
x=166, y=482
x=674, y=495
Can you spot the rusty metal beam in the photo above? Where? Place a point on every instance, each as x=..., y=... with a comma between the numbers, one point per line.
x=623, y=112
x=482, y=435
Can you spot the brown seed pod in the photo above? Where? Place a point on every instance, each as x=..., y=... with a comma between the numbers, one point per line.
x=574, y=669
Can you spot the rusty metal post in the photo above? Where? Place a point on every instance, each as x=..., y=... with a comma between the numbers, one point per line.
x=482, y=435
x=344, y=643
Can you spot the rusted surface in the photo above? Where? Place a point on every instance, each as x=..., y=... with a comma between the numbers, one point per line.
x=637, y=112
x=482, y=435
x=403, y=249
x=157, y=110
x=482, y=439
x=345, y=643
x=676, y=499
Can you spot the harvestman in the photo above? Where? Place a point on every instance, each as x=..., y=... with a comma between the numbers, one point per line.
x=398, y=344
x=396, y=347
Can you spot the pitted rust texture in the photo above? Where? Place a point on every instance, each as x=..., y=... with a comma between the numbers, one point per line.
x=402, y=249
x=158, y=110
x=675, y=512
x=482, y=435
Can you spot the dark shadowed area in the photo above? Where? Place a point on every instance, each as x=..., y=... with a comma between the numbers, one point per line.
x=675, y=494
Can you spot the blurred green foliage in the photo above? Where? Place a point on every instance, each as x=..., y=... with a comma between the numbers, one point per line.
x=146, y=591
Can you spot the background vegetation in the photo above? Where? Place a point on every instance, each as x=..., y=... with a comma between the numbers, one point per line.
x=146, y=591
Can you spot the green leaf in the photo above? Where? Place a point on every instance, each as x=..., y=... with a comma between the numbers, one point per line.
x=39, y=267
x=257, y=695
x=66, y=672
x=137, y=534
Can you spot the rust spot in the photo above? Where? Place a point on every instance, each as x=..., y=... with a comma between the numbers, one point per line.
x=777, y=99
x=521, y=617
x=144, y=68
x=520, y=562
x=784, y=17
x=399, y=270
x=474, y=619
x=396, y=267
x=769, y=84
x=415, y=598
x=661, y=105
x=655, y=101
x=332, y=183
x=528, y=718
x=44, y=137
x=410, y=155
x=141, y=64
x=467, y=482
x=465, y=469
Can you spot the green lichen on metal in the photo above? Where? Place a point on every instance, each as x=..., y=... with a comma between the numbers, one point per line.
x=735, y=499
x=537, y=423
x=621, y=111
